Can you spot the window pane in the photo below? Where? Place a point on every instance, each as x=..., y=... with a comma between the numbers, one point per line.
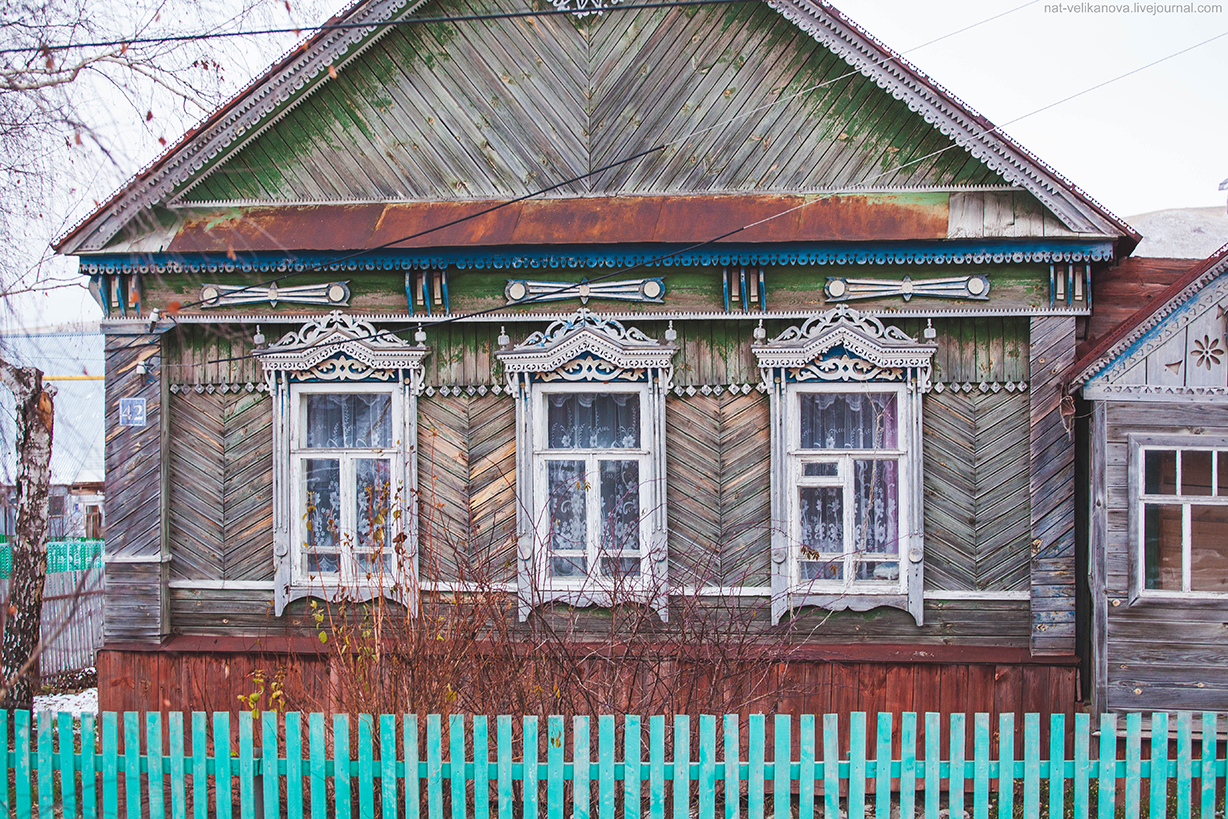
x=593, y=420
x=1221, y=472
x=567, y=507
x=876, y=507
x=1195, y=472
x=620, y=506
x=620, y=566
x=1209, y=548
x=821, y=512
x=1160, y=472
x=373, y=498
x=820, y=470
x=848, y=421
x=1162, y=546
x=322, y=515
x=349, y=420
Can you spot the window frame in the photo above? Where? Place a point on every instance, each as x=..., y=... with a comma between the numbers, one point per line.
x=1138, y=499
x=348, y=575
x=594, y=579
x=798, y=458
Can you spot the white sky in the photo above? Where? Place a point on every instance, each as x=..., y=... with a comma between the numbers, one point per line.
x=1151, y=141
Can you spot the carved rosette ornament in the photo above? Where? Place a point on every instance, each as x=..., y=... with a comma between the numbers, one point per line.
x=844, y=345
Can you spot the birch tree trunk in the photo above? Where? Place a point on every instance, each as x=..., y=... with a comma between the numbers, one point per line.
x=35, y=414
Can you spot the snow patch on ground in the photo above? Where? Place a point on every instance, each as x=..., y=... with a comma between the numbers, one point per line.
x=81, y=702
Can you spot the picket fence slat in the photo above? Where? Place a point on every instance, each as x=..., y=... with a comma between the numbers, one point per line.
x=144, y=768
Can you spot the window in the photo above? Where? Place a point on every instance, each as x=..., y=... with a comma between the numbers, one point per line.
x=590, y=459
x=345, y=457
x=590, y=463
x=845, y=394
x=1183, y=519
x=344, y=421
x=847, y=490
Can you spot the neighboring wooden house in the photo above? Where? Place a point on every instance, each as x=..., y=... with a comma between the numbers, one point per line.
x=843, y=415
x=1157, y=443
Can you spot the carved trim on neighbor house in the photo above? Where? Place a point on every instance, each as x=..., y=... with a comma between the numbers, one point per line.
x=647, y=291
x=336, y=294
x=842, y=344
x=840, y=289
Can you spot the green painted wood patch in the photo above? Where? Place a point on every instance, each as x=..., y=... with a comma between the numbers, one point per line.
x=462, y=767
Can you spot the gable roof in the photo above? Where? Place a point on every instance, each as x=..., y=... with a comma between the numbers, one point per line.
x=316, y=75
x=1118, y=342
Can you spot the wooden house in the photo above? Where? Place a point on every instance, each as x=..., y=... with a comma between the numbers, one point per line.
x=723, y=302
x=1156, y=388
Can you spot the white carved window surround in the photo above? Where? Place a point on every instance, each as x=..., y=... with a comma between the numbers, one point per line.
x=344, y=473
x=845, y=401
x=590, y=463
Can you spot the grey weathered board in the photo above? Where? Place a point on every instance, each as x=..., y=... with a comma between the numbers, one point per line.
x=134, y=482
x=977, y=523
x=1150, y=654
x=1052, y=488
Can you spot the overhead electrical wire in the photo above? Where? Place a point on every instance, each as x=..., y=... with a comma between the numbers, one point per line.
x=622, y=271
x=662, y=146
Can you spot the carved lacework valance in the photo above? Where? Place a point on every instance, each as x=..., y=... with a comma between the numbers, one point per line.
x=341, y=348
x=588, y=347
x=844, y=345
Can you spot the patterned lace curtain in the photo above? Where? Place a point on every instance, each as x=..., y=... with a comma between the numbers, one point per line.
x=349, y=421
x=593, y=420
x=848, y=421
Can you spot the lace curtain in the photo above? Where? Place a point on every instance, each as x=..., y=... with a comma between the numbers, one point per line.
x=349, y=421
x=848, y=420
x=593, y=420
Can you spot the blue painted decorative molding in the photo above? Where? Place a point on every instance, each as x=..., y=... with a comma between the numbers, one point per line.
x=880, y=253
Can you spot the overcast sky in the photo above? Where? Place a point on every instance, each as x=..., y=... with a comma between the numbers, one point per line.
x=1151, y=141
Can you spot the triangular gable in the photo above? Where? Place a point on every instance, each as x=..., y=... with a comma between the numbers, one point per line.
x=1175, y=346
x=496, y=109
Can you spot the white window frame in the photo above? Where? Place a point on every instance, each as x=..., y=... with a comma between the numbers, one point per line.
x=1139, y=446
x=587, y=352
x=348, y=576
x=542, y=454
x=798, y=458
x=843, y=351
x=339, y=353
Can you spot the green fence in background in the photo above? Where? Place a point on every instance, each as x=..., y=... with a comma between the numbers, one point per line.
x=68, y=555
x=691, y=769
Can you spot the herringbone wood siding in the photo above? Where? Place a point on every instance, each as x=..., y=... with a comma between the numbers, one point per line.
x=467, y=488
x=221, y=510
x=717, y=487
x=976, y=491
x=500, y=108
x=1052, y=489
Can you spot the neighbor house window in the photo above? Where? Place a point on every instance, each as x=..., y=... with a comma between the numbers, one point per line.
x=591, y=463
x=346, y=454
x=1183, y=519
x=847, y=489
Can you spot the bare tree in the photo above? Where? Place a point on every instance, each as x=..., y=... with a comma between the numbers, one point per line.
x=35, y=419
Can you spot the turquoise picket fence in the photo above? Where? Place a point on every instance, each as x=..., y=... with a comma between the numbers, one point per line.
x=301, y=769
x=66, y=555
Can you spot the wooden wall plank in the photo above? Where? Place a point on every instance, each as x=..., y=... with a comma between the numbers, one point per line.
x=133, y=504
x=1052, y=353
